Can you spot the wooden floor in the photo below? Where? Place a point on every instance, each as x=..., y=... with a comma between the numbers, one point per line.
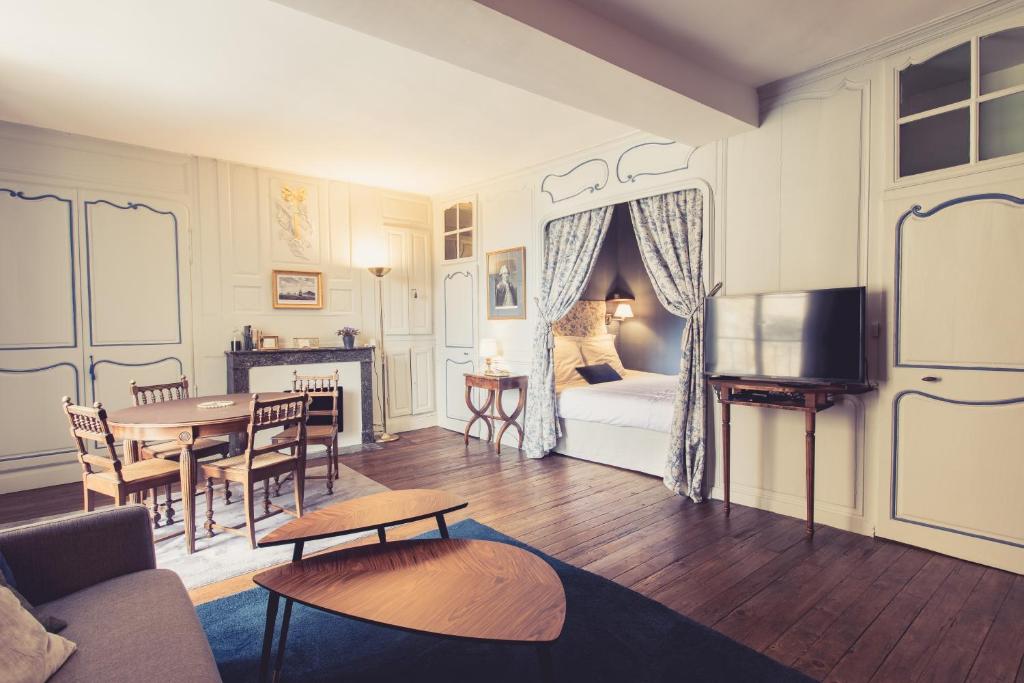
x=840, y=607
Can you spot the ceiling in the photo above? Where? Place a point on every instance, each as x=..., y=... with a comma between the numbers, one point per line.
x=255, y=82
x=758, y=41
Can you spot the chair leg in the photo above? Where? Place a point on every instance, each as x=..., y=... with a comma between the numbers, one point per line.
x=227, y=485
x=334, y=451
x=119, y=499
x=87, y=500
x=277, y=484
x=154, y=506
x=300, y=485
x=266, y=496
x=169, y=511
x=330, y=471
x=209, y=507
x=250, y=517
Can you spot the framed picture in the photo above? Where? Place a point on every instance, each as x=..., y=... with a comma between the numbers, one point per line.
x=506, y=284
x=269, y=341
x=306, y=342
x=297, y=289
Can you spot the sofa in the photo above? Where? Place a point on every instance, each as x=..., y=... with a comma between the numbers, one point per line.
x=97, y=571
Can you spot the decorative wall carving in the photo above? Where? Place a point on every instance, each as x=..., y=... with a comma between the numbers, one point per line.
x=651, y=159
x=587, y=176
x=295, y=221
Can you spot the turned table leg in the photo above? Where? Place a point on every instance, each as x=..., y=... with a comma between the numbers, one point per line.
x=187, y=468
x=726, y=410
x=809, y=457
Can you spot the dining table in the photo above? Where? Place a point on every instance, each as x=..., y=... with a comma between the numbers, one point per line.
x=183, y=421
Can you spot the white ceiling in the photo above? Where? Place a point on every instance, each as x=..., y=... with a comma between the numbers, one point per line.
x=255, y=82
x=760, y=41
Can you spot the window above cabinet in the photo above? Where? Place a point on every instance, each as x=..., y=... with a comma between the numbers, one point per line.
x=962, y=106
x=459, y=221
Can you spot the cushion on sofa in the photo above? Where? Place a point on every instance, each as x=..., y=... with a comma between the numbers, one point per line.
x=137, y=627
x=29, y=654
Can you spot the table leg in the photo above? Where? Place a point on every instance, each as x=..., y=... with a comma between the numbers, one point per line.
x=478, y=414
x=279, y=660
x=297, y=551
x=382, y=535
x=187, y=468
x=131, y=455
x=809, y=458
x=511, y=420
x=725, y=448
x=441, y=526
x=268, y=635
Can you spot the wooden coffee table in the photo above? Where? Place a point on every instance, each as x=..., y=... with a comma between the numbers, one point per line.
x=460, y=588
x=377, y=511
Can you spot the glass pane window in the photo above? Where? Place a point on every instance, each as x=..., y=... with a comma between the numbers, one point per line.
x=465, y=243
x=451, y=250
x=935, y=142
x=1002, y=60
x=465, y=215
x=458, y=231
x=450, y=219
x=1001, y=126
x=943, y=79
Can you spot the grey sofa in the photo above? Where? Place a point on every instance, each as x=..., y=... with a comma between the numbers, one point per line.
x=97, y=571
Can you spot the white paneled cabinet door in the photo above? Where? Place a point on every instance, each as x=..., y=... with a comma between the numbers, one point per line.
x=457, y=344
x=40, y=338
x=421, y=311
x=399, y=383
x=955, y=393
x=407, y=299
x=137, y=304
x=422, y=380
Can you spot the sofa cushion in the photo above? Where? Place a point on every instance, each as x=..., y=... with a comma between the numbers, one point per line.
x=29, y=654
x=140, y=626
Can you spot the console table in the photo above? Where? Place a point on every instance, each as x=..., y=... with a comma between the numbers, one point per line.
x=240, y=362
x=810, y=399
x=495, y=386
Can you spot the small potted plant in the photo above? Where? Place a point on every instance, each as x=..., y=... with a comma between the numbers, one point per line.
x=348, y=336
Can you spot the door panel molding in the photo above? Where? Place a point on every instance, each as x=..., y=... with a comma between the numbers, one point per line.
x=130, y=206
x=106, y=361
x=917, y=212
x=472, y=317
x=472, y=368
x=894, y=481
x=18, y=194
x=78, y=399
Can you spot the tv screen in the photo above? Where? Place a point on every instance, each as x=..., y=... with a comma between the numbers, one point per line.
x=813, y=336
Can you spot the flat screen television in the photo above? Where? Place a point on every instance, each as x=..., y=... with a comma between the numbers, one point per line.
x=812, y=336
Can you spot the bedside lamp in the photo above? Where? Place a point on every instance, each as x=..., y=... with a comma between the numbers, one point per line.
x=622, y=311
x=489, y=350
x=623, y=308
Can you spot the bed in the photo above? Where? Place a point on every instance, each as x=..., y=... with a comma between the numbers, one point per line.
x=625, y=423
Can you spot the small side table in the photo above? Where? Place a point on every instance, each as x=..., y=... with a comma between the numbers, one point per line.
x=495, y=387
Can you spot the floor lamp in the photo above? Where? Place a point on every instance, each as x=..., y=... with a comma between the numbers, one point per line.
x=384, y=437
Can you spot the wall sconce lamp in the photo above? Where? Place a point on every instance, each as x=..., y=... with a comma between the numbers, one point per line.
x=623, y=307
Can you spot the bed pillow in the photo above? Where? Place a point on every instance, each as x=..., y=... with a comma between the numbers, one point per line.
x=567, y=358
x=598, y=374
x=29, y=652
x=601, y=349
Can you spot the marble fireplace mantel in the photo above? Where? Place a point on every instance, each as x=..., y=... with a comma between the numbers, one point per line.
x=240, y=362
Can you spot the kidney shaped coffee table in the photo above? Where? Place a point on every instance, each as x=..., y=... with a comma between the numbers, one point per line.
x=461, y=588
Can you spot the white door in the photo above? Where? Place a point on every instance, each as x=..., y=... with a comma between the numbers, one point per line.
x=457, y=343
x=955, y=389
x=137, y=305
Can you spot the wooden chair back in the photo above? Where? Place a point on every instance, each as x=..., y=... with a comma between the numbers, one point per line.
x=276, y=413
x=158, y=393
x=319, y=386
x=90, y=424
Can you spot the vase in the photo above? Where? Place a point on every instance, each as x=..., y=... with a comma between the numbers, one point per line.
x=348, y=340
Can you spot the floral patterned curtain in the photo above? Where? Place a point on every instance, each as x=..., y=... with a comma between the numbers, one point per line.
x=669, y=230
x=571, y=245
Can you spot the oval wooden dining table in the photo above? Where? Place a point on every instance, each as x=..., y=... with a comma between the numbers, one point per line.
x=183, y=421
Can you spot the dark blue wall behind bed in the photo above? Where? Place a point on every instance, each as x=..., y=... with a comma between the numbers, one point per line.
x=651, y=340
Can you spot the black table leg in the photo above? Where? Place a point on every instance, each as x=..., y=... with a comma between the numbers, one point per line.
x=544, y=656
x=297, y=551
x=268, y=635
x=281, y=643
x=441, y=526
x=382, y=535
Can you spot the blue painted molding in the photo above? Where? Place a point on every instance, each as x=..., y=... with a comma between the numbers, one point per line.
x=596, y=187
x=94, y=364
x=632, y=177
x=916, y=212
x=130, y=206
x=449, y=276
x=78, y=399
x=472, y=367
x=895, y=459
x=18, y=194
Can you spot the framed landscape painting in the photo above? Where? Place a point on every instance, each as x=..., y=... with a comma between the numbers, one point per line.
x=297, y=289
x=506, y=284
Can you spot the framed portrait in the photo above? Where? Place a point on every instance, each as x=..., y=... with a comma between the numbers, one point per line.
x=297, y=289
x=506, y=284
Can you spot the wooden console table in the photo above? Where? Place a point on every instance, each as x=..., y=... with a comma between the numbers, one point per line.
x=810, y=399
x=495, y=387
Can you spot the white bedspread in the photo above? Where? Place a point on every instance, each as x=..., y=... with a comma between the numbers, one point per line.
x=640, y=399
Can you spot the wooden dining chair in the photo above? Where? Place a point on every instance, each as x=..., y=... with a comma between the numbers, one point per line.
x=260, y=463
x=171, y=450
x=322, y=423
x=105, y=473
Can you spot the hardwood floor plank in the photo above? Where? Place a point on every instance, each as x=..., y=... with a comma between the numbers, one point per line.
x=1002, y=655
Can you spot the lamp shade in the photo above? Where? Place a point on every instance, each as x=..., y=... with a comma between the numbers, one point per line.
x=623, y=311
x=488, y=347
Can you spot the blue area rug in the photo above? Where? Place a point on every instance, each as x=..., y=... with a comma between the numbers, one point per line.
x=611, y=634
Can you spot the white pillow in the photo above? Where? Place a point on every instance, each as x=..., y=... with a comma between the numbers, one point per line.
x=567, y=359
x=29, y=654
x=601, y=349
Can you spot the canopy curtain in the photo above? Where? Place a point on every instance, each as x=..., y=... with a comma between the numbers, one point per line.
x=669, y=231
x=571, y=245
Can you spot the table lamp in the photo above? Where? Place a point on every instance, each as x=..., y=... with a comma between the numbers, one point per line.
x=383, y=437
x=489, y=350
